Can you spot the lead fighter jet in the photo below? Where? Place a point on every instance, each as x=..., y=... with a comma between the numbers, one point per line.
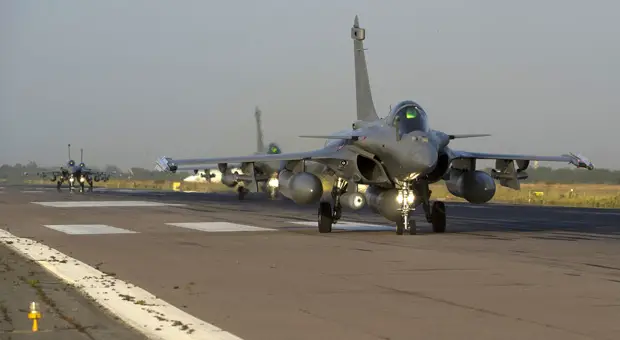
x=397, y=156
x=72, y=172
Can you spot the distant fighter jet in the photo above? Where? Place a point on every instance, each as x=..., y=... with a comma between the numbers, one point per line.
x=397, y=156
x=266, y=173
x=71, y=173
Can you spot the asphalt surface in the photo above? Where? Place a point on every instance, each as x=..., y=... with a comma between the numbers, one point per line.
x=499, y=272
x=65, y=313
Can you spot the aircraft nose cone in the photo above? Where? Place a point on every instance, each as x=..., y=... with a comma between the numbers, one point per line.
x=424, y=157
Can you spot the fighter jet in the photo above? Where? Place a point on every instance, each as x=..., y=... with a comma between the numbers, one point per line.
x=72, y=172
x=397, y=156
x=266, y=173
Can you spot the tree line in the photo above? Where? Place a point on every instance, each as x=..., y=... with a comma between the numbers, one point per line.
x=15, y=174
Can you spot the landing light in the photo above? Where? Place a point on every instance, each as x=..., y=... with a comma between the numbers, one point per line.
x=273, y=182
x=71, y=179
x=410, y=198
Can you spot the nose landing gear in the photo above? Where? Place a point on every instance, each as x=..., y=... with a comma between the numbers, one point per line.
x=405, y=198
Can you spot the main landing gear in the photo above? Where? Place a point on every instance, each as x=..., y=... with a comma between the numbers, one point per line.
x=241, y=192
x=435, y=213
x=327, y=217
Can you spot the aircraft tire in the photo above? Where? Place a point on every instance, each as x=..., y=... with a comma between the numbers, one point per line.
x=241, y=193
x=325, y=218
x=412, y=227
x=438, y=217
x=400, y=227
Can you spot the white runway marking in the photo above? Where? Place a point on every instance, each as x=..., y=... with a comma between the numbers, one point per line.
x=88, y=229
x=218, y=226
x=97, y=204
x=350, y=226
x=109, y=292
x=32, y=191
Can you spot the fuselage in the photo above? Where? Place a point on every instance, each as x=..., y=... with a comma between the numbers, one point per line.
x=76, y=172
x=402, y=141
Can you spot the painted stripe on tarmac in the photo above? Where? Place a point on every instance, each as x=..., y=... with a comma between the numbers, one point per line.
x=88, y=229
x=101, y=204
x=218, y=226
x=350, y=226
x=111, y=293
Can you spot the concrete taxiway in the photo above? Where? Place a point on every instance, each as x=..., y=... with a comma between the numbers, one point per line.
x=259, y=269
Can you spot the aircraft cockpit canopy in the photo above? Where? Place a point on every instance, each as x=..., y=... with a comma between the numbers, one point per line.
x=274, y=149
x=409, y=116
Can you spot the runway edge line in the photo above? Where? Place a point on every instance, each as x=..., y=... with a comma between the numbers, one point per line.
x=143, y=312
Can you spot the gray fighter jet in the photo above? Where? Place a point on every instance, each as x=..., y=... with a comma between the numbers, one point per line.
x=73, y=172
x=265, y=173
x=397, y=157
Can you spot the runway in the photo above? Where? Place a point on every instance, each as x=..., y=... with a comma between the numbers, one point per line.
x=259, y=269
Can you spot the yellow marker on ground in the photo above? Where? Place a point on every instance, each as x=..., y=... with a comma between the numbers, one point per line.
x=34, y=315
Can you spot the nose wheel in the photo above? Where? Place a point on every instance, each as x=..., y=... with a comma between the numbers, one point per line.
x=409, y=227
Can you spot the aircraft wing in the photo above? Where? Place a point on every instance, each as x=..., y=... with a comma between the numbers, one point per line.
x=574, y=159
x=172, y=165
x=202, y=167
x=46, y=173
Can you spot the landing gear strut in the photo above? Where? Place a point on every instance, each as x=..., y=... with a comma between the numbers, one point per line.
x=406, y=199
x=435, y=213
x=58, y=185
x=326, y=216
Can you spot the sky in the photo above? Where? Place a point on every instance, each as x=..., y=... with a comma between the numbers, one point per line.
x=130, y=81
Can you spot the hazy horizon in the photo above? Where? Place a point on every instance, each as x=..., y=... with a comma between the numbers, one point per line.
x=131, y=81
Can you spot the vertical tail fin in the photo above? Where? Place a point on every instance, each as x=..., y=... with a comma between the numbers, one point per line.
x=81, y=155
x=69, y=150
x=260, y=146
x=365, y=105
